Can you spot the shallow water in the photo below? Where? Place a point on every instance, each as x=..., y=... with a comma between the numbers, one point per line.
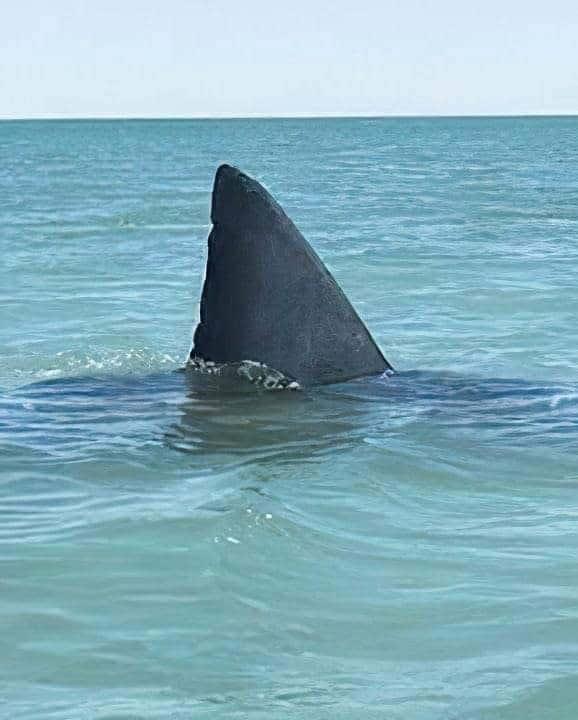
x=400, y=548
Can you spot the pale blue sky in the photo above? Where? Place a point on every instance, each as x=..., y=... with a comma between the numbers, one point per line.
x=145, y=58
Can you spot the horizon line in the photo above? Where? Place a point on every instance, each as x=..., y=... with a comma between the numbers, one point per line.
x=297, y=116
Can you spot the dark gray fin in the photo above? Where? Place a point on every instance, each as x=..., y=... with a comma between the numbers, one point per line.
x=268, y=297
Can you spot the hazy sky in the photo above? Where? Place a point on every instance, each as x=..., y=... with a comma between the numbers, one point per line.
x=145, y=58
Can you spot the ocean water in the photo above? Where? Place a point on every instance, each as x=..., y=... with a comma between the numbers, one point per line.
x=401, y=548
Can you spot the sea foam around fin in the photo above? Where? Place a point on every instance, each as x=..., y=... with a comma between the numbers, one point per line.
x=256, y=373
x=89, y=361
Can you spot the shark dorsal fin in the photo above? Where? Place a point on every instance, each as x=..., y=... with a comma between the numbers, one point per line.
x=268, y=297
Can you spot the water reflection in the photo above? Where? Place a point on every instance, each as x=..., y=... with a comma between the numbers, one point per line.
x=230, y=419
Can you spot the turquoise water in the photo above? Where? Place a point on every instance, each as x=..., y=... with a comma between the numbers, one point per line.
x=402, y=548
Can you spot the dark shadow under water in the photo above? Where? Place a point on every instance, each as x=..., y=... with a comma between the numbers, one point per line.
x=196, y=414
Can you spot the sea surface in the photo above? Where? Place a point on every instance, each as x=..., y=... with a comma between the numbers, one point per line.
x=402, y=548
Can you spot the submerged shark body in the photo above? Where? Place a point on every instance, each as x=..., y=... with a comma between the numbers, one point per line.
x=227, y=418
x=268, y=300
